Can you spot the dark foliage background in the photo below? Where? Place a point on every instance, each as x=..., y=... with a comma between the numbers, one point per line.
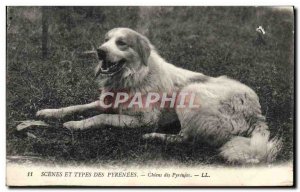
x=212, y=40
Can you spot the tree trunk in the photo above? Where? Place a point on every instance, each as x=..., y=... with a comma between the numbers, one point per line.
x=44, y=32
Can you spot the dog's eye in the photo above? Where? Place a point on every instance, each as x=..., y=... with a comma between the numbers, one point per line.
x=121, y=43
x=106, y=39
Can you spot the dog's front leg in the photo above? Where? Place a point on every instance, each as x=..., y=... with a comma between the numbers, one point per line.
x=115, y=120
x=168, y=138
x=62, y=112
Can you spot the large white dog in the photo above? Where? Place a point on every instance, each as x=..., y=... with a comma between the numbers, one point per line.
x=225, y=113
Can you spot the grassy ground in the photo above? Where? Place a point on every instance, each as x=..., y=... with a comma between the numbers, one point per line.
x=212, y=40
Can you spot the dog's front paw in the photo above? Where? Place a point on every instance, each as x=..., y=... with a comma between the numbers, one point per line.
x=74, y=125
x=50, y=113
x=147, y=136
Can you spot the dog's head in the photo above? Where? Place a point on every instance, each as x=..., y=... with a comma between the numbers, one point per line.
x=122, y=49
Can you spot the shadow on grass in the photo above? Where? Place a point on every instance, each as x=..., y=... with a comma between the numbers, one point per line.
x=110, y=145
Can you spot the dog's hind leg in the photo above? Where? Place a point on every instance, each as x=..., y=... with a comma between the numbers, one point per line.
x=62, y=112
x=168, y=138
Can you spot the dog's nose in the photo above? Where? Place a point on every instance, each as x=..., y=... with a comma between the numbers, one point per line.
x=101, y=53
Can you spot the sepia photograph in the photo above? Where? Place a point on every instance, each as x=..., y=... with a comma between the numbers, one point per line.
x=182, y=96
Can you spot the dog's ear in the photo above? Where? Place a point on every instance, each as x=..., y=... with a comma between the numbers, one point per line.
x=143, y=48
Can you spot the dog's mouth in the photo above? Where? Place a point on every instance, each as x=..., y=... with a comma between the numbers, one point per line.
x=110, y=68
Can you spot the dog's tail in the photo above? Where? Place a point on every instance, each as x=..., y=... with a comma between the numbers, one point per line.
x=259, y=148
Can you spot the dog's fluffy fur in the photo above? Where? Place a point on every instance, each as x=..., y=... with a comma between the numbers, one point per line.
x=229, y=116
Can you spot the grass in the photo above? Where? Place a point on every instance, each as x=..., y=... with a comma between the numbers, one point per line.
x=212, y=40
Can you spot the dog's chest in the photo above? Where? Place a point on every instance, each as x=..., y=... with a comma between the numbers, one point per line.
x=137, y=102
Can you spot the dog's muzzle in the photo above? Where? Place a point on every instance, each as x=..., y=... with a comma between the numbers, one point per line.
x=107, y=67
